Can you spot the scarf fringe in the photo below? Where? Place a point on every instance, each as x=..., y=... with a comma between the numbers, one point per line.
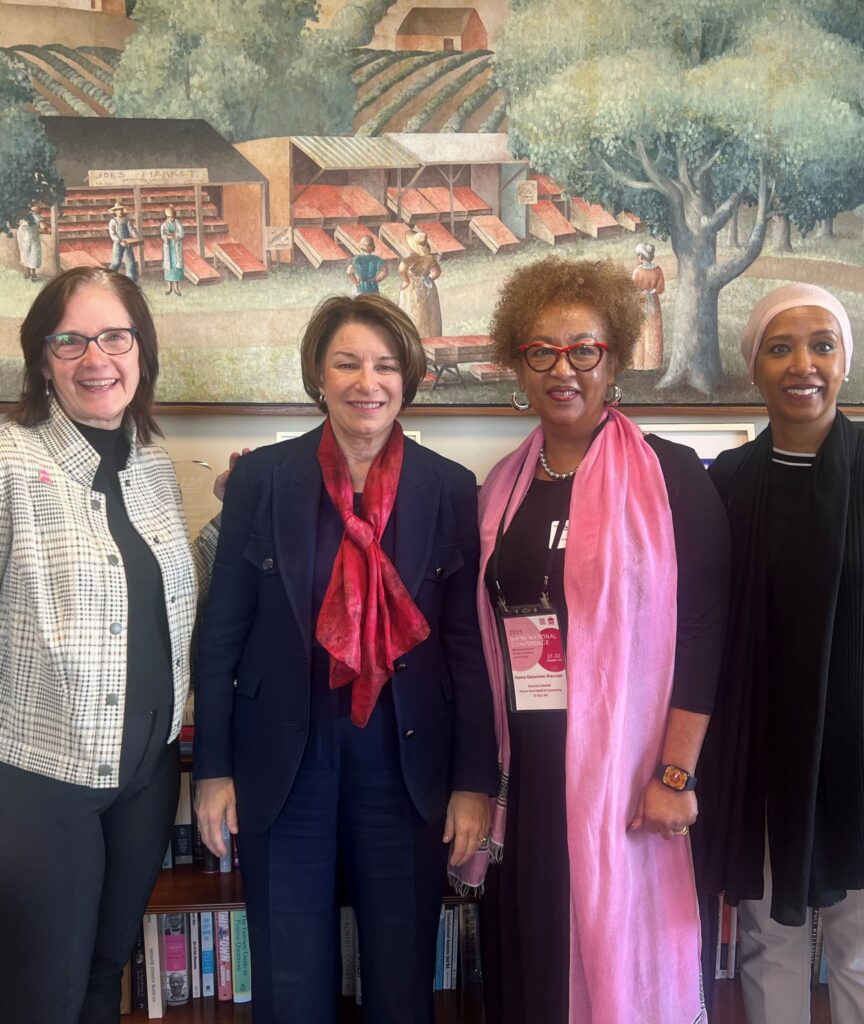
x=495, y=852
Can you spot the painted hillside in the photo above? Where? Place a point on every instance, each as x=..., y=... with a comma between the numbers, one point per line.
x=397, y=91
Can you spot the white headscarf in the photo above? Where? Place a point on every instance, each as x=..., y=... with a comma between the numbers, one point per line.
x=788, y=297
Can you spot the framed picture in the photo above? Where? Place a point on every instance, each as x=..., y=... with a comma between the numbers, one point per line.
x=706, y=439
x=240, y=203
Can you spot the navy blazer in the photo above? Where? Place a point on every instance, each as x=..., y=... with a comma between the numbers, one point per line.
x=253, y=676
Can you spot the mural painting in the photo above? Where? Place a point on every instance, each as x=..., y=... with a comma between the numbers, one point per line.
x=245, y=158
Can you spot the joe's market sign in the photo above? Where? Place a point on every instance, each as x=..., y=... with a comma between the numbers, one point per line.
x=147, y=176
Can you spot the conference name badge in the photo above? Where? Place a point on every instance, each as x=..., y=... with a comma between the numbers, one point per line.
x=533, y=658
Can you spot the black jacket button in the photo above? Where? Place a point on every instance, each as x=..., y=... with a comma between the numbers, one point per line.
x=439, y=572
x=408, y=734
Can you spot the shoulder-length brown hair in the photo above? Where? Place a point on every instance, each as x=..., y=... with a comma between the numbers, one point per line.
x=47, y=312
x=530, y=290
x=374, y=311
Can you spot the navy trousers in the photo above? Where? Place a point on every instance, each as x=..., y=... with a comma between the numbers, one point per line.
x=348, y=818
x=77, y=867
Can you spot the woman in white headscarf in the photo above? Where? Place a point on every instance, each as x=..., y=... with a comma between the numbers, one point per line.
x=782, y=769
x=418, y=294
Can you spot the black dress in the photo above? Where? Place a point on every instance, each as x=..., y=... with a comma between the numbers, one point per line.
x=525, y=910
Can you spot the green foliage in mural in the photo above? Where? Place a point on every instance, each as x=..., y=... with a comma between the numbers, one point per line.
x=27, y=170
x=682, y=113
x=252, y=68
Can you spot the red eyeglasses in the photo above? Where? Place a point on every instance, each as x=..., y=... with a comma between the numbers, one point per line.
x=582, y=355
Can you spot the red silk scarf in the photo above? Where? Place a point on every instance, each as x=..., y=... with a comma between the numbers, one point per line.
x=367, y=619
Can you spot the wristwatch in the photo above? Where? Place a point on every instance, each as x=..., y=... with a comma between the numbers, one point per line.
x=675, y=778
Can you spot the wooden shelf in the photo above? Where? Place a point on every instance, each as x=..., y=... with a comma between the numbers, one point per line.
x=183, y=889
x=465, y=1006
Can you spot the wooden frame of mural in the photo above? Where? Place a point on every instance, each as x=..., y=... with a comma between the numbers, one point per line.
x=417, y=176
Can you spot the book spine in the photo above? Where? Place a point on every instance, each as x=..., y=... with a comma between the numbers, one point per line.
x=181, y=837
x=195, y=954
x=348, y=944
x=241, y=963
x=139, y=972
x=223, y=956
x=155, y=1008
x=197, y=841
x=225, y=865
x=454, y=959
x=469, y=943
x=126, y=989
x=208, y=956
x=439, y=953
x=168, y=859
x=174, y=929
x=447, y=973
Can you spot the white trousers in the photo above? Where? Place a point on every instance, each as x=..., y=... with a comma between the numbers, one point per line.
x=775, y=961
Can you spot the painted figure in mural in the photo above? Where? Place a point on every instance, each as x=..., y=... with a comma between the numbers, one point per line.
x=782, y=770
x=591, y=884
x=123, y=235
x=358, y=741
x=366, y=270
x=98, y=589
x=29, y=241
x=649, y=279
x=171, y=233
x=418, y=294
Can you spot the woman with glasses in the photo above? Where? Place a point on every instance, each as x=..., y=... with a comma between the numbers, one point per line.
x=604, y=568
x=97, y=600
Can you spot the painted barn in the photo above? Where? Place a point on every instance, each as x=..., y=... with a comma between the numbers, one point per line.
x=442, y=28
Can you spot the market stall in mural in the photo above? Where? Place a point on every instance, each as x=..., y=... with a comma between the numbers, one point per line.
x=246, y=158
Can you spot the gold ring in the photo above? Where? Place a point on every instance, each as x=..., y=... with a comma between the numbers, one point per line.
x=683, y=831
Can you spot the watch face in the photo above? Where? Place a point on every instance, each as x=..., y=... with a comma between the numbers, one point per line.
x=675, y=778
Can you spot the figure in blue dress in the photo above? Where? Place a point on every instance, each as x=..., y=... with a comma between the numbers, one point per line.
x=366, y=270
x=171, y=233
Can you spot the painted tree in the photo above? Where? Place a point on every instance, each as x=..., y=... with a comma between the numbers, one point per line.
x=251, y=68
x=682, y=112
x=27, y=170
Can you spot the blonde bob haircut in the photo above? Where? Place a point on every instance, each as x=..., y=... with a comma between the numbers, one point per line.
x=373, y=311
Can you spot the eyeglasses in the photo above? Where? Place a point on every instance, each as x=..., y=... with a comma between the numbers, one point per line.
x=582, y=355
x=114, y=341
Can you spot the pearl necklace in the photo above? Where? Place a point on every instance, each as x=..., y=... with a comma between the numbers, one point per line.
x=547, y=469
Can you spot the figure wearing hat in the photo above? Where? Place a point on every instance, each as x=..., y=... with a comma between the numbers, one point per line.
x=123, y=235
x=418, y=296
x=649, y=279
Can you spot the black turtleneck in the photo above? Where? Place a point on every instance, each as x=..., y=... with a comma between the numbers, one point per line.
x=149, y=677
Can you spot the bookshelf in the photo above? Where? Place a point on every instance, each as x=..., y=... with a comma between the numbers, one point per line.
x=186, y=889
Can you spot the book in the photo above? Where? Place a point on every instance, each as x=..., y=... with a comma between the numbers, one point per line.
x=197, y=841
x=168, y=859
x=348, y=947
x=208, y=954
x=195, y=954
x=439, y=954
x=241, y=963
x=181, y=835
x=153, y=967
x=447, y=969
x=139, y=972
x=174, y=932
x=226, y=860
x=469, y=944
x=224, y=990
x=454, y=961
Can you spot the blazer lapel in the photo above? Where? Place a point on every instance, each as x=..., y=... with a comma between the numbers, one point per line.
x=296, y=498
x=416, y=513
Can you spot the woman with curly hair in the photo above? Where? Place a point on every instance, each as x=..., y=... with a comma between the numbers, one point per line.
x=602, y=603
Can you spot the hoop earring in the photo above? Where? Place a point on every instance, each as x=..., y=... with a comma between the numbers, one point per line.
x=617, y=395
x=47, y=387
x=520, y=404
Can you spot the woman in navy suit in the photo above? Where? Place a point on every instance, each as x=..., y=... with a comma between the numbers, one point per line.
x=346, y=557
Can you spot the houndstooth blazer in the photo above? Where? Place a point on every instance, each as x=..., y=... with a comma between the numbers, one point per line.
x=63, y=603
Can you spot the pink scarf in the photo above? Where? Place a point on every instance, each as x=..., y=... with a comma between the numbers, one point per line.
x=367, y=619
x=634, y=921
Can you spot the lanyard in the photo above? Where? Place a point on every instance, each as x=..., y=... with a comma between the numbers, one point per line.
x=553, y=547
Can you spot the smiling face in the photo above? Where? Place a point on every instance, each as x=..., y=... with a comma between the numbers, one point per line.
x=799, y=368
x=361, y=379
x=95, y=389
x=569, y=402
